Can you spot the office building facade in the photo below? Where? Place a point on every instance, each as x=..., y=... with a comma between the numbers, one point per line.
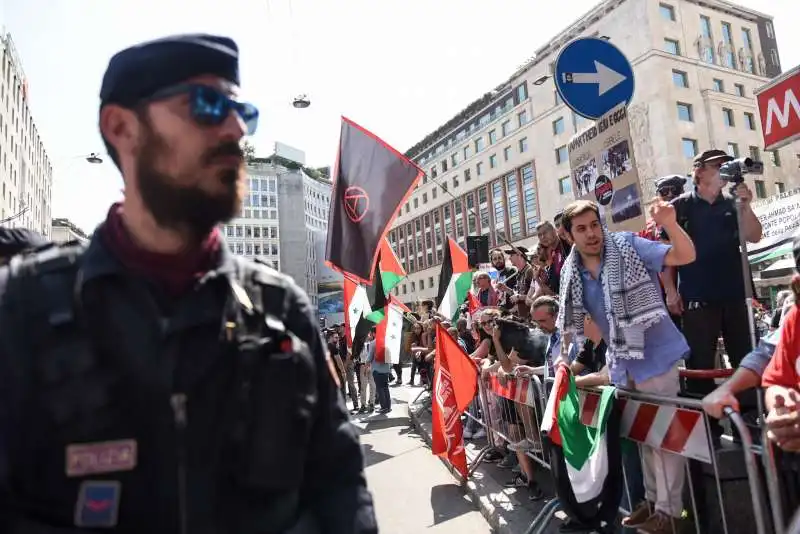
x=501, y=165
x=26, y=172
x=283, y=218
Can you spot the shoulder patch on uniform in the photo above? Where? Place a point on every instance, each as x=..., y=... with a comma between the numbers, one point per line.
x=98, y=504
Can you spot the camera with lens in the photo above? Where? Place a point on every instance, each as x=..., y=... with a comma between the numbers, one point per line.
x=733, y=171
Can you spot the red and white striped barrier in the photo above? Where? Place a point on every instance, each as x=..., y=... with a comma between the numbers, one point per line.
x=669, y=428
x=517, y=389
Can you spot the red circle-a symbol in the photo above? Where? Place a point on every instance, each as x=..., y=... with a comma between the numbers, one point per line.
x=356, y=203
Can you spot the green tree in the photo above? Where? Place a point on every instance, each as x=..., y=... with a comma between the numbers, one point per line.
x=249, y=151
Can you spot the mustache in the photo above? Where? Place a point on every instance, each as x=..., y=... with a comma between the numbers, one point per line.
x=225, y=150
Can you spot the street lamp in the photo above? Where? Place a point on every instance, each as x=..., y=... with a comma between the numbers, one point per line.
x=94, y=158
x=541, y=79
x=301, y=102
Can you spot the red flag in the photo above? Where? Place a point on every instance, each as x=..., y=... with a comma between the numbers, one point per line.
x=455, y=384
x=473, y=303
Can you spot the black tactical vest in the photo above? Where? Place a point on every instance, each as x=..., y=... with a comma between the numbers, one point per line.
x=207, y=436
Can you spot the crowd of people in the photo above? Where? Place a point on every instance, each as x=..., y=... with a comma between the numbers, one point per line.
x=627, y=310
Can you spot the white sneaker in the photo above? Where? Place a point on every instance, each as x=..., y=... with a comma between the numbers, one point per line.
x=481, y=433
x=467, y=434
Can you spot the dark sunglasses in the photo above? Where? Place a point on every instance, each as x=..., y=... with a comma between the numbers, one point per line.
x=210, y=107
x=670, y=190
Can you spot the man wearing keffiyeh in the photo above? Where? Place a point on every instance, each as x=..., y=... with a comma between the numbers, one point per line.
x=613, y=277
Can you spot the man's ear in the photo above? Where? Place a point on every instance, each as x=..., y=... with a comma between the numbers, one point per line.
x=120, y=127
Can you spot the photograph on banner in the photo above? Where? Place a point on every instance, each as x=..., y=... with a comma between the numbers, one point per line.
x=603, y=169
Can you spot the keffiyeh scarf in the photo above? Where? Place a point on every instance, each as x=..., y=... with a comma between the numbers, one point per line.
x=633, y=302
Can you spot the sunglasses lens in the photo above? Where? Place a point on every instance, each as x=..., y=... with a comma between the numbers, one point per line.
x=209, y=106
x=249, y=114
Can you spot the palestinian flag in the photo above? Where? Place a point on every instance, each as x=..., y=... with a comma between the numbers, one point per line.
x=389, y=333
x=587, y=460
x=391, y=270
x=371, y=182
x=455, y=279
x=388, y=273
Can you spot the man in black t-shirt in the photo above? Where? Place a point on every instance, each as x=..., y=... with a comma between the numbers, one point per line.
x=506, y=277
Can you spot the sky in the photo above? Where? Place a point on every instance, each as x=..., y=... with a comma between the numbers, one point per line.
x=399, y=68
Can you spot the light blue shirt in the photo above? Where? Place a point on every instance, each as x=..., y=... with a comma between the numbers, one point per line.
x=378, y=367
x=759, y=357
x=664, y=344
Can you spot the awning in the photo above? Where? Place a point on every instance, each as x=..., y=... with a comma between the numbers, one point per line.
x=781, y=250
x=780, y=265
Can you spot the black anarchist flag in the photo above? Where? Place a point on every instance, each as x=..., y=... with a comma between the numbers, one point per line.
x=371, y=183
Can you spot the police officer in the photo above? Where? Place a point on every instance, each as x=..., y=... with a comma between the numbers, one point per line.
x=13, y=241
x=152, y=382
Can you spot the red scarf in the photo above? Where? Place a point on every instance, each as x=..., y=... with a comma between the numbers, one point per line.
x=176, y=273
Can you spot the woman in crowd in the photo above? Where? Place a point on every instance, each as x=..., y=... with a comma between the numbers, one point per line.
x=419, y=349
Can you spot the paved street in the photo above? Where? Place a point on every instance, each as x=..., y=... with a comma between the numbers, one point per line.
x=413, y=491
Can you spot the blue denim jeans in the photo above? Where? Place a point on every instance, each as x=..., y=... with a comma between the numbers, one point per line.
x=382, y=394
x=633, y=492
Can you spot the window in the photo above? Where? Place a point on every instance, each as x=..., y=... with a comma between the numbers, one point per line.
x=739, y=89
x=562, y=156
x=750, y=120
x=455, y=181
x=434, y=172
x=499, y=206
x=422, y=284
x=512, y=197
x=727, y=39
x=530, y=200
x=507, y=153
x=775, y=158
x=434, y=191
x=755, y=153
x=467, y=175
x=780, y=187
x=680, y=79
x=564, y=185
x=479, y=168
x=493, y=161
x=761, y=189
x=505, y=128
x=667, y=12
x=727, y=115
x=733, y=150
x=522, y=117
x=424, y=198
x=773, y=57
x=685, y=112
x=454, y=159
x=523, y=145
x=558, y=126
x=748, y=63
x=671, y=46
x=719, y=86
x=705, y=26
x=492, y=137
x=479, y=144
x=522, y=92
x=689, y=147
x=770, y=31
x=444, y=165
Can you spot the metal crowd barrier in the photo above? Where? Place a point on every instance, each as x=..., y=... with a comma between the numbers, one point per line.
x=511, y=412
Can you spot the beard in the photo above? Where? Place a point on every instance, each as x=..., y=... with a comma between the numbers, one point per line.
x=187, y=209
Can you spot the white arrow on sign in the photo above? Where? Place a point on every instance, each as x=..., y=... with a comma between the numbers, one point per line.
x=605, y=78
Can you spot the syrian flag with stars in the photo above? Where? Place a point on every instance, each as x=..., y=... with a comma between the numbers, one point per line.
x=389, y=332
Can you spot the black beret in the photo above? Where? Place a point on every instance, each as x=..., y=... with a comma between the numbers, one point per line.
x=140, y=71
x=16, y=240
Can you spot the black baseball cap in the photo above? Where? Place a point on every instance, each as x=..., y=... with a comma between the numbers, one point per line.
x=673, y=180
x=711, y=156
x=511, y=251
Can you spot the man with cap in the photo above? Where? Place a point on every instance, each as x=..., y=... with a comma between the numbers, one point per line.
x=152, y=381
x=710, y=294
x=14, y=241
x=667, y=188
x=518, y=256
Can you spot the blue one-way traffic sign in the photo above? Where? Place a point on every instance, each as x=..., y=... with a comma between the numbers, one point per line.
x=593, y=76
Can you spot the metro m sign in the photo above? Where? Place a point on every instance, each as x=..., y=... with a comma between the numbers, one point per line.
x=779, y=109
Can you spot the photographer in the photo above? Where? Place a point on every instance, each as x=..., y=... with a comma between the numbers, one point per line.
x=710, y=295
x=506, y=277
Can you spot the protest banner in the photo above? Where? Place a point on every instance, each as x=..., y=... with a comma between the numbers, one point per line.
x=603, y=169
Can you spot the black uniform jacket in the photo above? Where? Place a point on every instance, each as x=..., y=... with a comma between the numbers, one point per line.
x=122, y=409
